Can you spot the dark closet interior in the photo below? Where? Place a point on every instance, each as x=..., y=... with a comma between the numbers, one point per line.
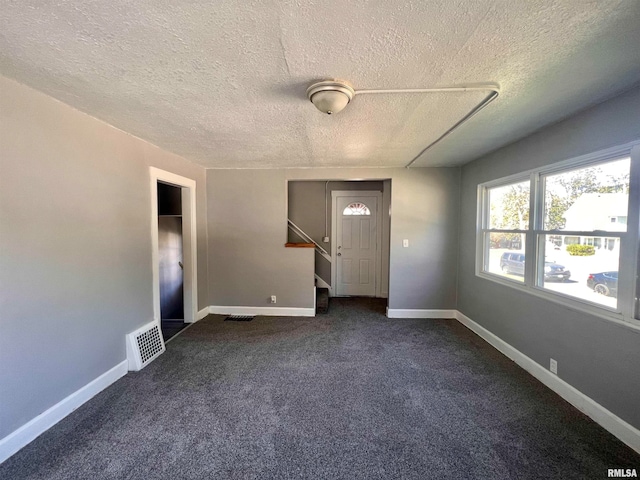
x=170, y=259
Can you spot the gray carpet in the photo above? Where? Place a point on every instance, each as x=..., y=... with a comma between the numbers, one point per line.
x=349, y=395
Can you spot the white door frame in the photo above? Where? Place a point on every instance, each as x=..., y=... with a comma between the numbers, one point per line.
x=189, y=238
x=334, y=222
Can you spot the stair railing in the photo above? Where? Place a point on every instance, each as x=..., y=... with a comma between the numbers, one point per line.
x=301, y=233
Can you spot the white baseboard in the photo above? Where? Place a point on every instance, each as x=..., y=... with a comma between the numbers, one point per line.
x=202, y=313
x=419, y=313
x=267, y=311
x=624, y=431
x=43, y=422
x=608, y=420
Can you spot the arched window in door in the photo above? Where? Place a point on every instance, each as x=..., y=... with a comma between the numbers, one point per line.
x=356, y=208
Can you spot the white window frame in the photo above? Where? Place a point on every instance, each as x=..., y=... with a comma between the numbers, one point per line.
x=628, y=310
x=484, y=223
x=365, y=210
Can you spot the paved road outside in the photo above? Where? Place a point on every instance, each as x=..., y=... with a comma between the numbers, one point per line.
x=580, y=267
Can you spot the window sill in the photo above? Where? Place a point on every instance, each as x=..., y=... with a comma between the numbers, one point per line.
x=601, y=313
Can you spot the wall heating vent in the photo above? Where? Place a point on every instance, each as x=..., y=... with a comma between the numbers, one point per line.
x=144, y=345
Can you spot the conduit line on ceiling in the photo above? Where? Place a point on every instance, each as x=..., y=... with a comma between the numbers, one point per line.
x=335, y=95
x=494, y=92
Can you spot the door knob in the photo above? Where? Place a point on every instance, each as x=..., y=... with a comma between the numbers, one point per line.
x=339, y=254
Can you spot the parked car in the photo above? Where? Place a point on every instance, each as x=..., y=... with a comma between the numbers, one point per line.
x=604, y=283
x=555, y=271
x=513, y=263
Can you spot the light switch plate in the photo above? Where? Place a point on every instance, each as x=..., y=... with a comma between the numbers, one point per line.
x=405, y=242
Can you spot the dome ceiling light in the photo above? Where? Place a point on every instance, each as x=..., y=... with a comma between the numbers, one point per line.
x=332, y=96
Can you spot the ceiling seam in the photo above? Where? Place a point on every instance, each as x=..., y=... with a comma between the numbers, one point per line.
x=473, y=32
x=464, y=44
x=399, y=128
x=284, y=50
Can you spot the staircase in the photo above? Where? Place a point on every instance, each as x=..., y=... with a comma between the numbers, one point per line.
x=323, y=258
x=322, y=293
x=322, y=301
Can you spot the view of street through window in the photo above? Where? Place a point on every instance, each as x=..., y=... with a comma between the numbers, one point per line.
x=585, y=216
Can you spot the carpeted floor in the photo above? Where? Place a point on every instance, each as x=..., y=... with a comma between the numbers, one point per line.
x=170, y=328
x=349, y=395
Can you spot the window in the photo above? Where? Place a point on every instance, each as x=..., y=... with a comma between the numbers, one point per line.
x=561, y=233
x=356, y=209
x=506, y=235
x=578, y=203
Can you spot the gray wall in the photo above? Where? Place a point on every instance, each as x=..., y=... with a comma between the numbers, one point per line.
x=75, y=242
x=248, y=228
x=598, y=357
x=247, y=233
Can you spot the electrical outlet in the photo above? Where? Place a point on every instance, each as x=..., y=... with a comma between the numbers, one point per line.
x=405, y=242
x=553, y=366
x=325, y=239
x=273, y=299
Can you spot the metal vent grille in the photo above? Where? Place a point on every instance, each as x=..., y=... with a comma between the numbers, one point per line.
x=149, y=344
x=239, y=318
x=144, y=345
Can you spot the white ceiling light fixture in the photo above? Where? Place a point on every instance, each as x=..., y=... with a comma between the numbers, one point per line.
x=332, y=96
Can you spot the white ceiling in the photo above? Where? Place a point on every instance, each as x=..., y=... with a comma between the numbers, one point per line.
x=223, y=82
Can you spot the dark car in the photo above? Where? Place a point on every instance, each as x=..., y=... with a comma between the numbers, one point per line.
x=513, y=263
x=604, y=283
x=555, y=271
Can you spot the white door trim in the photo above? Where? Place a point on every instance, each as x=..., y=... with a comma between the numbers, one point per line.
x=189, y=238
x=334, y=217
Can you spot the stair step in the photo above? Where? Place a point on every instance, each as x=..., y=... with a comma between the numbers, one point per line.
x=322, y=300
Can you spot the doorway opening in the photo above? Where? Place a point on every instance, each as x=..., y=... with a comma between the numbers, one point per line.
x=170, y=259
x=173, y=234
x=349, y=223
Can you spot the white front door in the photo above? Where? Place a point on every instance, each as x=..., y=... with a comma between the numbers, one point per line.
x=356, y=245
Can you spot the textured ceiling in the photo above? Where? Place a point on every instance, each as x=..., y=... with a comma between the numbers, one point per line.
x=223, y=82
